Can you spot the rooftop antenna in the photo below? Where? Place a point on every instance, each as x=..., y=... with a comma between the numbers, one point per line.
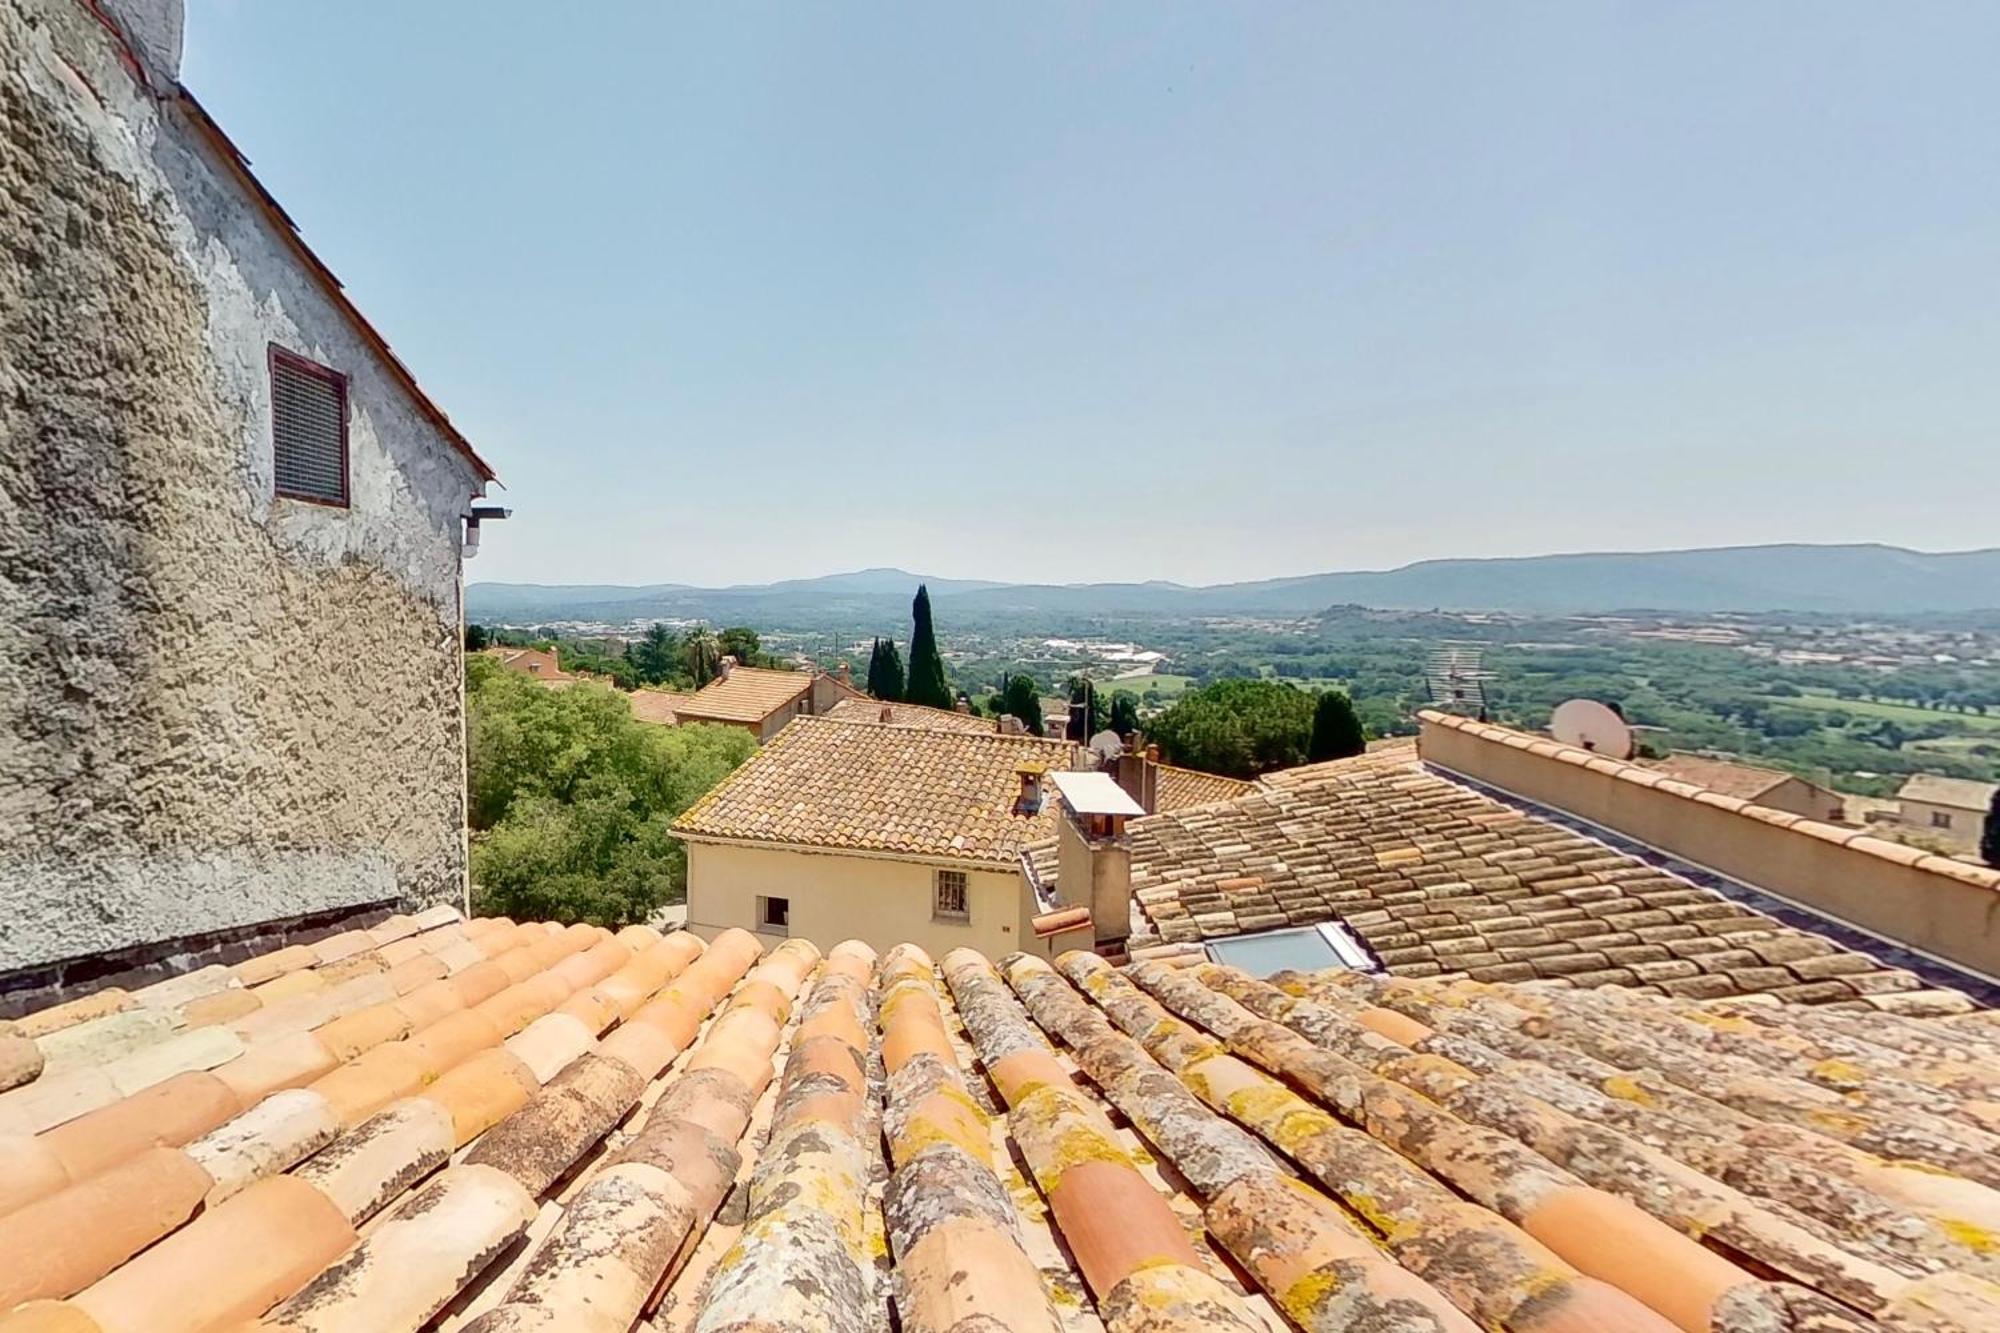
x=1455, y=678
x=1590, y=725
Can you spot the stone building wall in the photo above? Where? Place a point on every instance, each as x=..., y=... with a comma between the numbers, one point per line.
x=217, y=707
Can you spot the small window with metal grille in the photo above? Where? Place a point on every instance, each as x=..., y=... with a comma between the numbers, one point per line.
x=308, y=429
x=951, y=902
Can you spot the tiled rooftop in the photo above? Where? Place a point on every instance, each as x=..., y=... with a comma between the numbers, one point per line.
x=660, y=707
x=861, y=786
x=911, y=715
x=1741, y=780
x=1959, y=793
x=746, y=694
x=1438, y=879
x=494, y=1127
x=1179, y=788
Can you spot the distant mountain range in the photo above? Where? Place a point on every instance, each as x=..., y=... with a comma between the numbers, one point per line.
x=1857, y=579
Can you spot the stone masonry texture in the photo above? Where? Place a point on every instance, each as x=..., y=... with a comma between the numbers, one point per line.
x=217, y=707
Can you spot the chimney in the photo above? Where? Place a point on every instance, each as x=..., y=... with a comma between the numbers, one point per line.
x=1011, y=725
x=1094, y=870
x=888, y=714
x=844, y=674
x=1029, y=799
x=1138, y=772
x=152, y=29
x=1055, y=728
x=724, y=666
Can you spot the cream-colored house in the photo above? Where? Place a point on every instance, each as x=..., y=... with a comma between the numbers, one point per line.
x=1948, y=811
x=853, y=830
x=761, y=700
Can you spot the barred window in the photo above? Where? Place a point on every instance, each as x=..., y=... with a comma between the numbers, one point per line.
x=308, y=429
x=951, y=901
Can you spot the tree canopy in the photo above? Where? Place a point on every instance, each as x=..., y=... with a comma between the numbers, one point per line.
x=1238, y=728
x=1083, y=691
x=1022, y=698
x=927, y=683
x=1989, y=842
x=1124, y=712
x=702, y=652
x=742, y=643
x=571, y=799
x=1336, y=731
x=885, y=671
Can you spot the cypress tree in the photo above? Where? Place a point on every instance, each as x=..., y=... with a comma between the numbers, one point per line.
x=885, y=671
x=1336, y=732
x=1022, y=698
x=926, y=684
x=1989, y=841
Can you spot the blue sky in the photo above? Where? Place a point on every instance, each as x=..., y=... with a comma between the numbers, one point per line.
x=1125, y=291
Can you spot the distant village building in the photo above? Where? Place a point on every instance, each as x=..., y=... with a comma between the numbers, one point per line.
x=1768, y=787
x=540, y=663
x=762, y=701
x=231, y=540
x=1949, y=811
x=840, y=830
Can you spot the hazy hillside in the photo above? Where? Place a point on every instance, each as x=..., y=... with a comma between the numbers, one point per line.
x=1856, y=579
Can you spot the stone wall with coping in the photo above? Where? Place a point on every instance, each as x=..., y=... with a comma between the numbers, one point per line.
x=218, y=707
x=1940, y=906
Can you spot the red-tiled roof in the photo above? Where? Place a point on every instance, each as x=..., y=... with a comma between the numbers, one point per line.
x=495, y=1127
x=860, y=786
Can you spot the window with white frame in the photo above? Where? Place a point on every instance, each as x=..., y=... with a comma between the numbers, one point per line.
x=951, y=900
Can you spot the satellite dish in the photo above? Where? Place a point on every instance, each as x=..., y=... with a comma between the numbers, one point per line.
x=1590, y=725
x=1108, y=744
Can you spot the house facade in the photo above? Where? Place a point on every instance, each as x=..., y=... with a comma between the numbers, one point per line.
x=854, y=830
x=761, y=700
x=1949, y=811
x=230, y=553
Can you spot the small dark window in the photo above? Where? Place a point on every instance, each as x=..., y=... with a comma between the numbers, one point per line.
x=308, y=429
x=1939, y=819
x=952, y=901
x=774, y=913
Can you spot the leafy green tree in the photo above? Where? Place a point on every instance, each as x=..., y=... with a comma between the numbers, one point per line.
x=885, y=671
x=1989, y=841
x=927, y=684
x=741, y=642
x=1124, y=712
x=1336, y=732
x=1020, y=697
x=1236, y=727
x=702, y=654
x=476, y=638
x=572, y=801
x=1084, y=691
x=656, y=656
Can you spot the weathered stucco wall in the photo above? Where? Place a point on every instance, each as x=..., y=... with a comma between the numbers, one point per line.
x=217, y=707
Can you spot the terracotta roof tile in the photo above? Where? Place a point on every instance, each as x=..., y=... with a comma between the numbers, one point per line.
x=1745, y=781
x=866, y=787
x=911, y=715
x=1436, y=878
x=634, y=1132
x=746, y=694
x=1182, y=787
